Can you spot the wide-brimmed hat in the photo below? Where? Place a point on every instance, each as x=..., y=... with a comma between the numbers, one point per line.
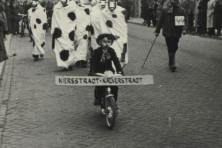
x=102, y=36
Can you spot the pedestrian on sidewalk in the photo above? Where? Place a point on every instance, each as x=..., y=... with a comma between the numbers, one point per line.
x=3, y=30
x=218, y=17
x=173, y=24
x=210, y=17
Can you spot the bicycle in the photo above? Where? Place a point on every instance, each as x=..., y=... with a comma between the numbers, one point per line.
x=108, y=104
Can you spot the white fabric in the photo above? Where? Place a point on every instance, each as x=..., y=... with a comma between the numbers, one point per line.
x=119, y=27
x=61, y=20
x=210, y=13
x=38, y=33
x=83, y=20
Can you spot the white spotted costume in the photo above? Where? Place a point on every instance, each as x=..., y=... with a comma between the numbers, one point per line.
x=82, y=32
x=106, y=21
x=38, y=25
x=64, y=42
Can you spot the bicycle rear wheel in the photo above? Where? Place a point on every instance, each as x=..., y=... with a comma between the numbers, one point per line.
x=111, y=112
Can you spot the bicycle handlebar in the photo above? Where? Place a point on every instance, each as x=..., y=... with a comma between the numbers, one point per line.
x=103, y=75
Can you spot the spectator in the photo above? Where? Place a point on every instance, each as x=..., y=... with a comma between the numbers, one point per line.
x=155, y=9
x=3, y=30
x=9, y=15
x=196, y=11
x=210, y=17
x=144, y=9
x=188, y=6
x=218, y=16
x=202, y=17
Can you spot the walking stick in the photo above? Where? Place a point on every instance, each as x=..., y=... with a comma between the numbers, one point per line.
x=149, y=52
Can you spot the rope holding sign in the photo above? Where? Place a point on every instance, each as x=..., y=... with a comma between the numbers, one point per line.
x=148, y=54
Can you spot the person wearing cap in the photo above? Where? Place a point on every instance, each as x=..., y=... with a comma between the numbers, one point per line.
x=104, y=59
x=172, y=21
x=38, y=25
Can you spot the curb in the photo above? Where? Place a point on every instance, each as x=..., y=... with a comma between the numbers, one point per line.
x=2, y=67
x=136, y=23
x=3, y=64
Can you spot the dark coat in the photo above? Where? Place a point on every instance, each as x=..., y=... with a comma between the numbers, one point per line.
x=167, y=23
x=202, y=15
x=101, y=63
x=3, y=29
x=218, y=15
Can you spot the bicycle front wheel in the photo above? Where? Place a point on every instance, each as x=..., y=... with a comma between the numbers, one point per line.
x=111, y=112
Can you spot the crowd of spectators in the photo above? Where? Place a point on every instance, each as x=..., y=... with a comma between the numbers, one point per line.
x=16, y=10
x=203, y=17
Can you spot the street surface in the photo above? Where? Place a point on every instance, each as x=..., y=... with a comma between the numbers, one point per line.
x=181, y=110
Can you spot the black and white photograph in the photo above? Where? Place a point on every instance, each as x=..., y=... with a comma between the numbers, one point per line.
x=110, y=73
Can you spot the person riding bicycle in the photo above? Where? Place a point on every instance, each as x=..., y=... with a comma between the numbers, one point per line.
x=104, y=59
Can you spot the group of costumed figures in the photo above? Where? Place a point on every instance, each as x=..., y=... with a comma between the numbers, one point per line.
x=76, y=27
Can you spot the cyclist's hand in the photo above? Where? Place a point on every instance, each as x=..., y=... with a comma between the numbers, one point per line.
x=108, y=73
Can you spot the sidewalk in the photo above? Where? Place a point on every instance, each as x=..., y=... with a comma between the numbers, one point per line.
x=2, y=64
x=138, y=21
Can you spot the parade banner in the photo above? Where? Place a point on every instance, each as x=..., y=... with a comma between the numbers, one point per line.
x=104, y=81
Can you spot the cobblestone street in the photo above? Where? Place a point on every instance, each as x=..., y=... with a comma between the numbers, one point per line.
x=181, y=110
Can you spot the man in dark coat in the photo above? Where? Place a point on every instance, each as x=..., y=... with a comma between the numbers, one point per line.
x=218, y=17
x=202, y=17
x=172, y=20
x=144, y=9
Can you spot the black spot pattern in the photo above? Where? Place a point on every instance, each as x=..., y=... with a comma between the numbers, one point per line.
x=109, y=24
x=72, y=16
x=87, y=11
x=114, y=15
x=72, y=35
x=57, y=33
x=43, y=44
x=35, y=26
x=45, y=26
x=123, y=55
x=85, y=37
x=124, y=48
x=33, y=10
x=38, y=21
x=53, y=43
x=90, y=29
x=64, y=55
